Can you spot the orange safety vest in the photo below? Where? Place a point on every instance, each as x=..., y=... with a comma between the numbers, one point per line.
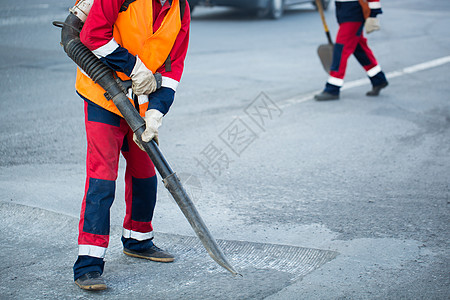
x=133, y=30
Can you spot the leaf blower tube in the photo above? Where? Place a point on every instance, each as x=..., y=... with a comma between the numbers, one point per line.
x=116, y=91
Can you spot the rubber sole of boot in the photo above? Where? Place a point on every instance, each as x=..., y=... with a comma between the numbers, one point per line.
x=326, y=97
x=158, y=259
x=92, y=287
x=376, y=90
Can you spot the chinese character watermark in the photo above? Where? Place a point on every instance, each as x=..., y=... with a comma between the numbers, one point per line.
x=238, y=136
x=263, y=110
x=215, y=159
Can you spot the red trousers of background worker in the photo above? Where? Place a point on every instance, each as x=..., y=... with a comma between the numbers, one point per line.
x=350, y=40
x=108, y=135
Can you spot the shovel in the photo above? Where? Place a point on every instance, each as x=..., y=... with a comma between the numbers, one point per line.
x=325, y=51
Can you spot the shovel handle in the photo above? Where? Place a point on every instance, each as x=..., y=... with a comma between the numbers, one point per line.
x=330, y=41
x=324, y=22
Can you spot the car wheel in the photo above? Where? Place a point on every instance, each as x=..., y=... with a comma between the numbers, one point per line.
x=325, y=4
x=276, y=9
x=273, y=10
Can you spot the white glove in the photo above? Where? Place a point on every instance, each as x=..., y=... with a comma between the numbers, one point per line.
x=142, y=80
x=371, y=25
x=153, y=120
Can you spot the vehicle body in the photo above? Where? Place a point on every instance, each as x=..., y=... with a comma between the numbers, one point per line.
x=264, y=8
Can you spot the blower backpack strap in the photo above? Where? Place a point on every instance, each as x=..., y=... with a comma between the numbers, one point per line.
x=168, y=62
x=125, y=5
x=182, y=8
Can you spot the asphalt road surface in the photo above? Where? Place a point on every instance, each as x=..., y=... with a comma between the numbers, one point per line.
x=347, y=199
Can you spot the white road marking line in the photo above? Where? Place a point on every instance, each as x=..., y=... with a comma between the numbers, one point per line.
x=360, y=82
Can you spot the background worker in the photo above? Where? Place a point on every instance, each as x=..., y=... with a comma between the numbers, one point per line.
x=136, y=39
x=350, y=40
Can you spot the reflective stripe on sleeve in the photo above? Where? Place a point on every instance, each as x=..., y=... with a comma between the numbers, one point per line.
x=169, y=83
x=106, y=49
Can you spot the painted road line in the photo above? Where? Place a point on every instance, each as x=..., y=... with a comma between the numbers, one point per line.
x=360, y=82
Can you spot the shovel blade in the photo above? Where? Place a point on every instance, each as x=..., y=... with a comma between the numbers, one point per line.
x=325, y=52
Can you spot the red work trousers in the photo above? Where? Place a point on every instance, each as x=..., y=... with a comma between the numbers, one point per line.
x=107, y=136
x=350, y=40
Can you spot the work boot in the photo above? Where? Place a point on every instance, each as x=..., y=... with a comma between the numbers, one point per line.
x=324, y=96
x=91, y=281
x=376, y=89
x=153, y=253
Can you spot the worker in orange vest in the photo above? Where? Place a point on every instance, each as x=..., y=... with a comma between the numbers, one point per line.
x=136, y=39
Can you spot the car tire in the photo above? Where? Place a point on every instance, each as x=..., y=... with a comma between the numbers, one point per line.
x=325, y=4
x=276, y=9
x=273, y=10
